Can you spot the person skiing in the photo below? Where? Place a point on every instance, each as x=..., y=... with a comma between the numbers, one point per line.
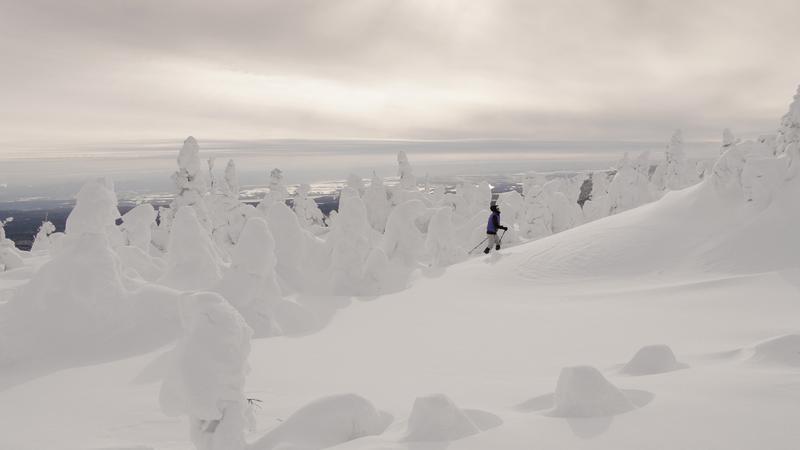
x=491, y=229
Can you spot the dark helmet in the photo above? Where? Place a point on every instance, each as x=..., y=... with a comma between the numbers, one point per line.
x=494, y=207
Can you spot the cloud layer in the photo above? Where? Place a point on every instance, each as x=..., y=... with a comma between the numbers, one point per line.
x=605, y=69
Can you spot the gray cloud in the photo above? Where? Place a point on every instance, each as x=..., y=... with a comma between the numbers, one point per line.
x=612, y=69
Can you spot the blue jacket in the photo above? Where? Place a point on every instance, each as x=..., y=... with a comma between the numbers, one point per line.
x=494, y=223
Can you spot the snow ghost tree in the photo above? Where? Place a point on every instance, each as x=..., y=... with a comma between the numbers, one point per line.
x=307, y=210
x=630, y=187
x=192, y=184
x=440, y=242
x=277, y=188
x=79, y=293
x=42, y=240
x=676, y=175
x=537, y=216
x=787, y=140
x=728, y=140
x=597, y=205
x=250, y=284
x=377, y=203
x=10, y=257
x=228, y=214
x=193, y=260
x=95, y=209
x=137, y=226
x=292, y=244
x=206, y=381
x=566, y=214
x=403, y=241
x=350, y=241
x=727, y=170
x=407, y=179
x=355, y=183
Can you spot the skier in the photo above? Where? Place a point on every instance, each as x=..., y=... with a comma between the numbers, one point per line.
x=492, y=227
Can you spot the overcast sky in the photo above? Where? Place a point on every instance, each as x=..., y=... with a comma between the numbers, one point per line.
x=417, y=69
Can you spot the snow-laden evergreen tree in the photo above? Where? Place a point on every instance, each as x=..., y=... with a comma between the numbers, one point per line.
x=727, y=170
x=403, y=241
x=350, y=241
x=297, y=264
x=278, y=193
x=728, y=140
x=308, y=213
x=630, y=186
x=355, y=183
x=440, y=241
x=676, y=175
x=137, y=226
x=10, y=257
x=537, y=216
x=787, y=140
x=42, y=241
x=250, y=283
x=228, y=214
x=377, y=203
x=407, y=179
x=597, y=205
x=194, y=262
x=206, y=379
x=566, y=213
x=192, y=183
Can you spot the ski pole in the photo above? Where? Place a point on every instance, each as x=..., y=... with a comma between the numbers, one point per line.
x=501, y=237
x=479, y=244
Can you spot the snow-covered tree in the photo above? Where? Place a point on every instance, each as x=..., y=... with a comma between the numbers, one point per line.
x=403, y=241
x=355, y=183
x=278, y=193
x=10, y=257
x=537, y=218
x=350, y=242
x=597, y=205
x=377, y=203
x=137, y=226
x=42, y=240
x=228, y=214
x=207, y=376
x=677, y=175
x=440, y=242
x=193, y=260
x=727, y=170
x=307, y=210
x=630, y=187
x=787, y=140
x=192, y=183
x=566, y=213
x=407, y=179
x=250, y=283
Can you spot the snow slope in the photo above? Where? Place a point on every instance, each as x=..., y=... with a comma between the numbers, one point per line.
x=713, y=278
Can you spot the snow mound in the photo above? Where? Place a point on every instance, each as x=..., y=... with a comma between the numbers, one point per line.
x=436, y=418
x=326, y=422
x=782, y=350
x=582, y=391
x=652, y=359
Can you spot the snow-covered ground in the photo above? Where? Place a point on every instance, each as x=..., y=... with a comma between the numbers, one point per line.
x=494, y=333
x=671, y=325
